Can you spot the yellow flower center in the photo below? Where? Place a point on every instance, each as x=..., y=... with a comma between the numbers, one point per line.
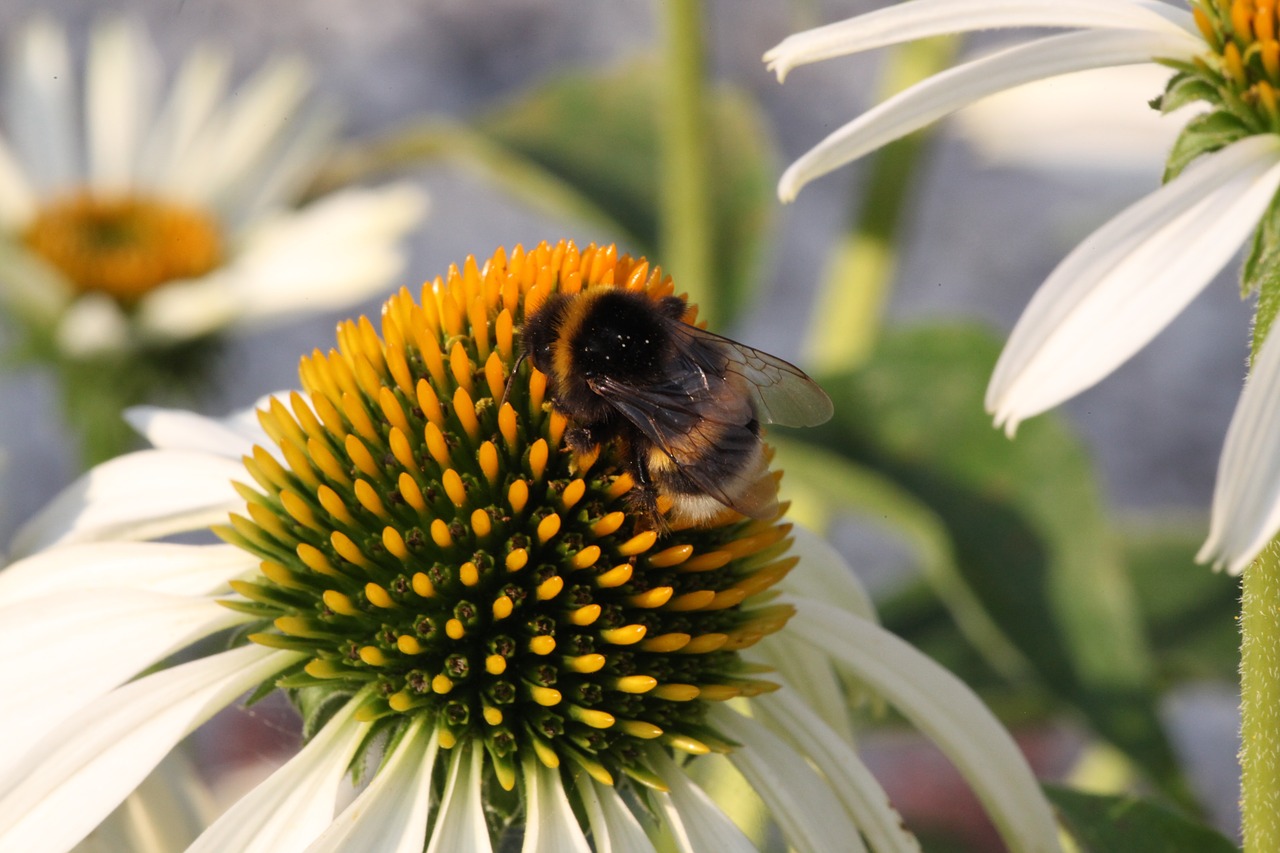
x=123, y=246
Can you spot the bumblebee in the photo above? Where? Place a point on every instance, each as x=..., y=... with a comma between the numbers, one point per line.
x=681, y=406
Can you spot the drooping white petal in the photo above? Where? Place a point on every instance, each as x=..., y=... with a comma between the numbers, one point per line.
x=232, y=436
x=390, y=815
x=17, y=197
x=328, y=255
x=946, y=710
x=614, y=828
x=83, y=769
x=823, y=573
x=142, y=495
x=948, y=91
x=549, y=820
x=924, y=18
x=197, y=90
x=787, y=714
x=41, y=105
x=76, y=646
x=802, y=802
x=150, y=566
x=1246, y=496
x=1121, y=286
x=291, y=807
x=694, y=821
x=183, y=310
x=166, y=812
x=121, y=80
x=285, y=176
x=812, y=676
x=461, y=824
x=93, y=326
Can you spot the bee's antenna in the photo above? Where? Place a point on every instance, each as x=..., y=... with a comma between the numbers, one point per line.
x=506, y=392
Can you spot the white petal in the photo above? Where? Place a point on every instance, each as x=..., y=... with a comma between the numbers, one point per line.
x=331, y=254
x=390, y=815
x=292, y=167
x=957, y=87
x=614, y=828
x=30, y=288
x=296, y=803
x=93, y=326
x=241, y=135
x=811, y=676
x=120, y=88
x=924, y=18
x=461, y=824
x=823, y=573
x=142, y=495
x=17, y=197
x=549, y=820
x=150, y=566
x=166, y=812
x=946, y=710
x=40, y=100
x=801, y=802
x=177, y=429
x=785, y=713
x=89, y=643
x=187, y=309
x=1130, y=278
x=695, y=822
x=1246, y=496
x=197, y=90
x=87, y=766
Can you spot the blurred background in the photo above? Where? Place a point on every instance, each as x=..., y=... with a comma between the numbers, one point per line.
x=995, y=198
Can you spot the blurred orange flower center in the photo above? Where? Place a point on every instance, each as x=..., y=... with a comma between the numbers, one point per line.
x=123, y=246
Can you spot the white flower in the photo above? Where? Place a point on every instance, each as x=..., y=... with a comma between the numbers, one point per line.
x=1121, y=286
x=129, y=220
x=475, y=607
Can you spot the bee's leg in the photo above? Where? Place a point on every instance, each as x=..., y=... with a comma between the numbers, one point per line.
x=581, y=439
x=644, y=494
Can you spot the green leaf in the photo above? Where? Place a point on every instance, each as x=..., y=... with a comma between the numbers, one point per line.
x=1024, y=518
x=1105, y=824
x=599, y=135
x=1190, y=612
x=1184, y=88
x=1203, y=134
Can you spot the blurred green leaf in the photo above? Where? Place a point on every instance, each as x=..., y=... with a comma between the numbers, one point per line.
x=1104, y=824
x=599, y=134
x=1190, y=611
x=586, y=147
x=1024, y=518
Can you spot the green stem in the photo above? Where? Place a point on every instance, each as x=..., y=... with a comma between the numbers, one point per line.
x=857, y=281
x=1260, y=703
x=685, y=237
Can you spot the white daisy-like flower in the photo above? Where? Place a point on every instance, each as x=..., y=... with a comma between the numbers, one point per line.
x=463, y=603
x=130, y=218
x=1122, y=285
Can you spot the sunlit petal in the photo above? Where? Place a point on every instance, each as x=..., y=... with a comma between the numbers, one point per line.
x=390, y=815
x=461, y=825
x=177, y=429
x=193, y=99
x=946, y=710
x=694, y=821
x=803, y=803
x=614, y=828
x=40, y=101
x=1246, y=496
x=75, y=777
x=1121, y=286
x=104, y=636
x=550, y=822
x=141, y=495
x=297, y=802
x=948, y=91
x=924, y=18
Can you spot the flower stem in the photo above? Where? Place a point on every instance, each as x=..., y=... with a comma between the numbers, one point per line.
x=685, y=236
x=1260, y=702
x=857, y=282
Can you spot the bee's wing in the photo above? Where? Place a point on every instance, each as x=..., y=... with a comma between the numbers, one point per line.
x=680, y=419
x=783, y=393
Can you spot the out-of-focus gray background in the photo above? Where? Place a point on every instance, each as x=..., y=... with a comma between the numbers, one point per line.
x=984, y=232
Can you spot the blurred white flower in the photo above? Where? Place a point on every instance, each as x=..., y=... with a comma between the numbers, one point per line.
x=1126, y=282
x=418, y=563
x=130, y=219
